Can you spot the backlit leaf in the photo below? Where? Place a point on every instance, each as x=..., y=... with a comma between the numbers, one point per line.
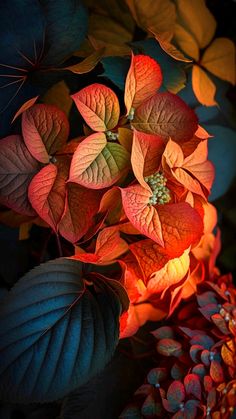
x=216, y=372
x=80, y=207
x=97, y=163
x=56, y=332
x=197, y=19
x=98, y=106
x=175, y=393
x=45, y=130
x=219, y=59
x=143, y=80
x=146, y=155
x=165, y=42
x=165, y=114
x=47, y=193
x=203, y=87
x=24, y=107
x=17, y=168
x=159, y=16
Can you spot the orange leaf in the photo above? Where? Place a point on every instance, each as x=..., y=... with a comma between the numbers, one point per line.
x=59, y=95
x=219, y=59
x=80, y=207
x=97, y=164
x=88, y=63
x=24, y=107
x=158, y=15
x=125, y=137
x=45, y=130
x=203, y=87
x=167, y=115
x=186, y=42
x=143, y=80
x=197, y=20
x=146, y=155
x=142, y=215
x=173, y=271
x=47, y=193
x=169, y=48
x=99, y=106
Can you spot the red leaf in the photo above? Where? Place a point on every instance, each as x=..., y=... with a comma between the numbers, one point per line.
x=17, y=168
x=167, y=115
x=45, y=130
x=192, y=385
x=146, y=155
x=47, y=193
x=98, y=106
x=143, y=216
x=97, y=164
x=169, y=347
x=176, y=393
x=216, y=372
x=81, y=206
x=143, y=80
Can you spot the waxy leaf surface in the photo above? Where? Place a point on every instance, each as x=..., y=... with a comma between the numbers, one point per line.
x=45, y=130
x=143, y=80
x=17, y=168
x=167, y=115
x=98, y=164
x=98, y=106
x=47, y=194
x=56, y=331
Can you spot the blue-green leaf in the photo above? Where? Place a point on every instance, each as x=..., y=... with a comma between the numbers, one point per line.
x=56, y=331
x=116, y=69
x=222, y=152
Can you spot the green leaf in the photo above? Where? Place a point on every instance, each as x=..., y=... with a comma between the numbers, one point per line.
x=56, y=331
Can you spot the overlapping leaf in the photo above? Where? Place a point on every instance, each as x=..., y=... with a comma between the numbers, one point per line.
x=165, y=114
x=47, y=194
x=143, y=80
x=97, y=163
x=45, y=130
x=56, y=332
x=219, y=59
x=99, y=106
x=17, y=168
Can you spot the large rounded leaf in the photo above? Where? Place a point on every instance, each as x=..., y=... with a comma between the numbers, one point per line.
x=57, y=331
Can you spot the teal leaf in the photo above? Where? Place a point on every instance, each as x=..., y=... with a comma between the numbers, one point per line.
x=222, y=152
x=116, y=69
x=56, y=331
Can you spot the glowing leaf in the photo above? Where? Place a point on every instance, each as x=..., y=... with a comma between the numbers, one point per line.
x=165, y=114
x=165, y=43
x=45, y=130
x=175, y=393
x=98, y=106
x=197, y=19
x=216, y=371
x=192, y=385
x=47, y=193
x=219, y=59
x=186, y=42
x=109, y=246
x=142, y=215
x=87, y=64
x=174, y=270
x=80, y=207
x=159, y=16
x=40, y=319
x=17, y=168
x=98, y=164
x=146, y=155
x=203, y=87
x=143, y=80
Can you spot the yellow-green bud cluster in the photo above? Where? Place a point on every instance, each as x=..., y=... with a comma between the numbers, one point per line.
x=161, y=194
x=113, y=136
